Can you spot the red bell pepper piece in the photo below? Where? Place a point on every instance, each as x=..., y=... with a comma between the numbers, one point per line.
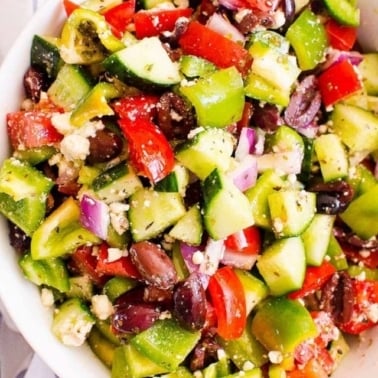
x=122, y=267
x=338, y=82
x=84, y=261
x=69, y=6
x=150, y=152
x=149, y=23
x=31, y=129
x=205, y=43
x=227, y=297
x=315, y=278
x=120, y=16
x=340, y=37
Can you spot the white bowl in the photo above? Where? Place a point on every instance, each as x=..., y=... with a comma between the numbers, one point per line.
x=22, y=299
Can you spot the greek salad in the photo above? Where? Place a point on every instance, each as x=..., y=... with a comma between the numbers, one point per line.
x=193, y=185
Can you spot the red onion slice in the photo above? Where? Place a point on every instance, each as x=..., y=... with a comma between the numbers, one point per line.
x=219, y=24
x=239, y=259
x=94, y=215
x=246, y=143
x=244, y=176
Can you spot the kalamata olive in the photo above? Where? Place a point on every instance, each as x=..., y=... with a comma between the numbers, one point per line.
x=154, y=265
x=337, y=297
x=189, y=301
x=175, y=116
x=333, y=197
x=34, y=83
x=134, y=317
x=104, y=146
x=304, y=103
x=18, y=239
x=267, y=117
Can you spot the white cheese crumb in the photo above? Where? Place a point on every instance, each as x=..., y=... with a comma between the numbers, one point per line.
x=275, y=356
x=74, y=333
x=114, y=254
x=47, y=297
x=101, y=306
x=248, y=365
x=197, y=257
x=74, y=147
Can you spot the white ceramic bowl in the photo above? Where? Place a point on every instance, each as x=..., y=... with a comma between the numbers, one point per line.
x=22, y=299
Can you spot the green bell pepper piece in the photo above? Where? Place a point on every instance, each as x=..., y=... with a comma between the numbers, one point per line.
x=309, y=39
x=129, y=362
x=166, y=343
x=61, y=232
x=217, y=98
x=344, y=11
x=281, y=324
x=362, y=213
x=23, y=194
x=51, y=272
x=94, y=104
x=86, y=38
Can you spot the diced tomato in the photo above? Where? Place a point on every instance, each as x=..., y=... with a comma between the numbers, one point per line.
x=149, y=23
x=365, y=307
x=227, y=296
x=30, y=129
x=205, y=43
x=340, y=37
x=69, y=6
x=315, y=278
x=120, y=16
x=247, y=241
x=85, y=262
x=338, y=82
x=136, y=107
x=150, y=152
x=122, y=267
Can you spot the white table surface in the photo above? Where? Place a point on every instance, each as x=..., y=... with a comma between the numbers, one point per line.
x=17, y=359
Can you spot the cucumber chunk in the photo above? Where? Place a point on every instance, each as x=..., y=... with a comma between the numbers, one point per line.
x=226, y=208
x=45, y=55
x=316, y=238
x=151, y=212
x=344, y=11
x=70, y=85
x=72, y=322
x=291, y=211
x=145, y=63
x=283, y=265
x=356, y=127
x=332, y=156
x=210, y=148
x=101, y=347
x=189, y=228
x=117, y=183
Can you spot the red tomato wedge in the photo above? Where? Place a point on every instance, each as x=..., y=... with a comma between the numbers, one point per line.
x=120, y=16
x=340, y=37
x=227, y=297
x=338, y=82
x=149, y=23
x=205, y=43
x=138, y=106
x=122, y=267
x=150, y=152
x=315, y=278
x=31, y=129
x=247, y=241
